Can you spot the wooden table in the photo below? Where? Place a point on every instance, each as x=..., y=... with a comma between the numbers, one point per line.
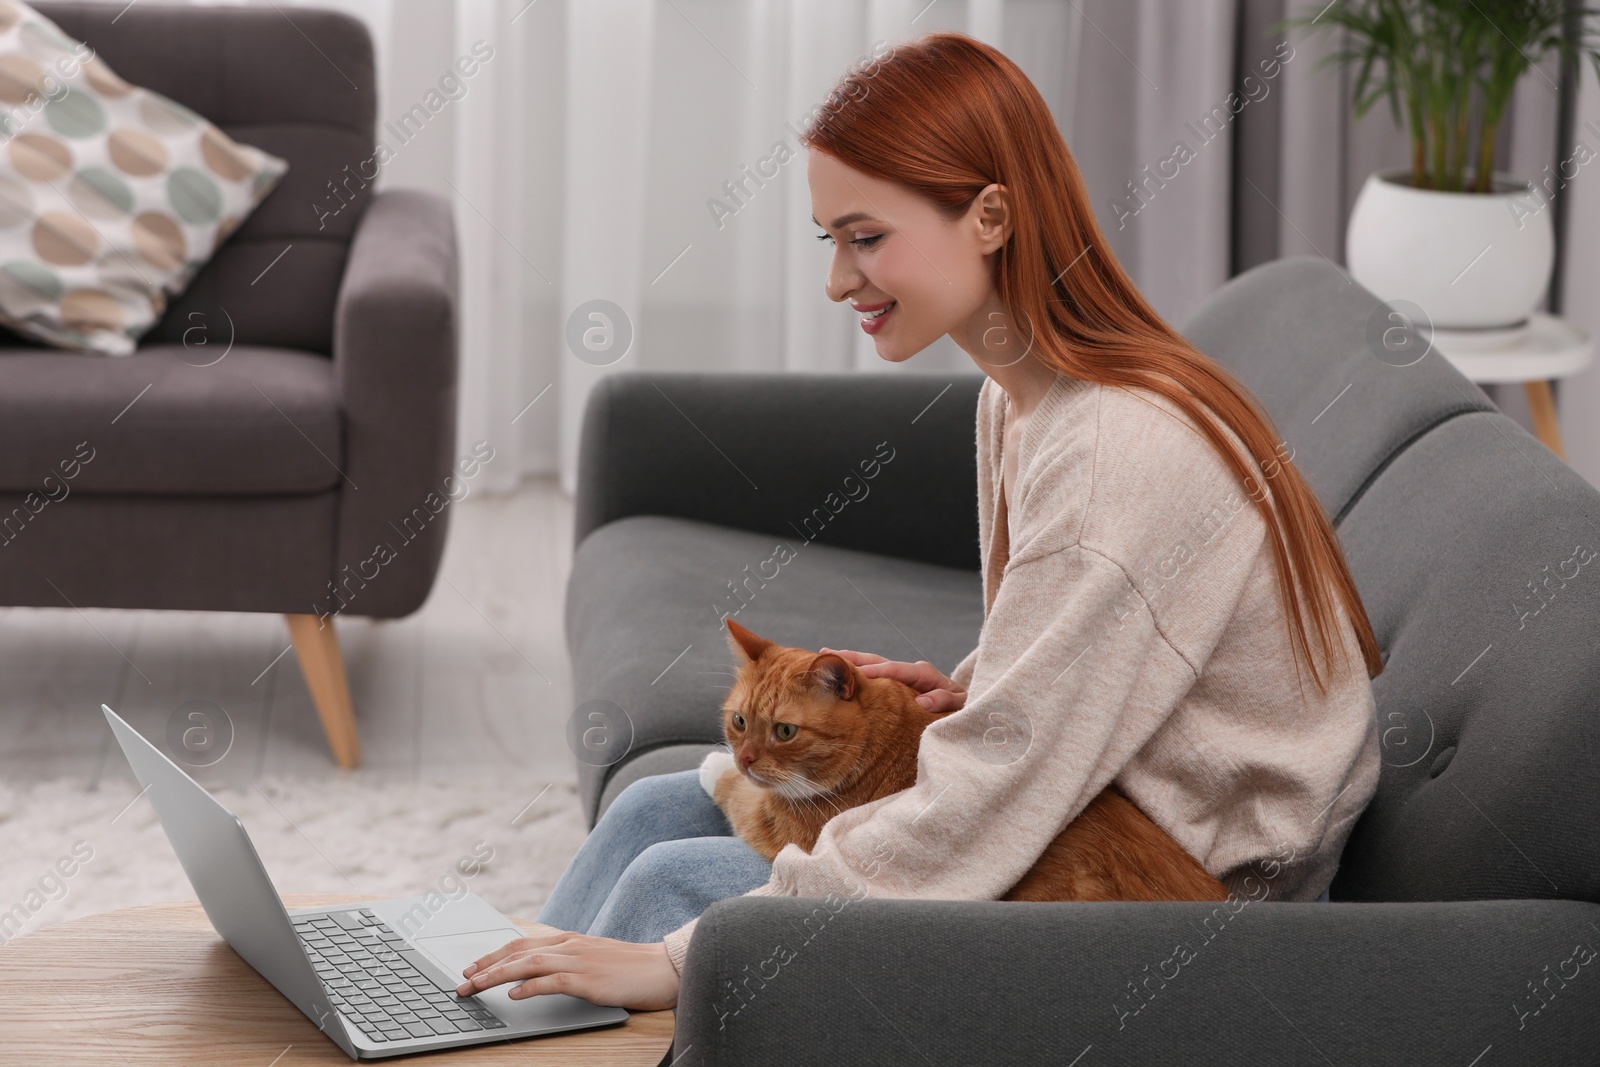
x=156, y=985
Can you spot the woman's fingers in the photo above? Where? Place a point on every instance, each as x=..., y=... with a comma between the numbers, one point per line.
x=942, y=700
x=938, y=692
x=597, y=969
x=921, y=675
x=521, y=944
x=521, y=966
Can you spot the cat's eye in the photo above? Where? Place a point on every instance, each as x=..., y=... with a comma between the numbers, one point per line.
x=738, y=721
x=786, y=731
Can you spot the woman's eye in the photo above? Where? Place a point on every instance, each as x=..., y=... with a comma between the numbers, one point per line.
x=864, y=242
x=786, y=731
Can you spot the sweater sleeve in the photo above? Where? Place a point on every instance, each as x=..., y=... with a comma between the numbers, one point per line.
x=1072, y=678
x=677, y=941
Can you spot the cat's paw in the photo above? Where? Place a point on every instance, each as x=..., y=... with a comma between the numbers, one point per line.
x=717, y=763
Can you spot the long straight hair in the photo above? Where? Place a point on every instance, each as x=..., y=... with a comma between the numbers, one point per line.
x=945, y=116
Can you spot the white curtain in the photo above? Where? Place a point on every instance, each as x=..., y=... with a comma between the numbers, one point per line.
x=613, y=150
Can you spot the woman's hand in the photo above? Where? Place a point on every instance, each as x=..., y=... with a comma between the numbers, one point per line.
x=597, y=969
x=938, y=693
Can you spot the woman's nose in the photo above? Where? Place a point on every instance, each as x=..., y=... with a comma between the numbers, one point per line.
x=841, y=282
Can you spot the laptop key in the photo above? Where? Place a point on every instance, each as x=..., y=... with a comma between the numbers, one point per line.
x=384, y=983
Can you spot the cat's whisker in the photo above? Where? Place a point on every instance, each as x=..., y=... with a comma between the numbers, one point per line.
x=813, y=806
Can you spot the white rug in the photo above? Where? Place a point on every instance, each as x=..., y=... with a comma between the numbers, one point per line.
x=327, y=835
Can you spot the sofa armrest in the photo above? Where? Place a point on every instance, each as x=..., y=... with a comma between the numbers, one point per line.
x=820, y=981
x=763, y=451
x=394, y=355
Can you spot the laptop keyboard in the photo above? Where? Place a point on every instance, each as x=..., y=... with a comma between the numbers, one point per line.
x=372, y=979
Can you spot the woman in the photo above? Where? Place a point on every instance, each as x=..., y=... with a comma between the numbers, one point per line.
x=1155, y=568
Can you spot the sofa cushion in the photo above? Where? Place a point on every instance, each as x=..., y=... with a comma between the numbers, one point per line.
x=1477, y=554
x=1298, y=333
x=112, y=197
x=646, y=600
x=259, y=420
x=302, y=88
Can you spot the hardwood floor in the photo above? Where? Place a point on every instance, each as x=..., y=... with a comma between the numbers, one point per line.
x=473, y=684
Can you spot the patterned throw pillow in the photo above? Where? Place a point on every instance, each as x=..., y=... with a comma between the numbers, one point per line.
x=112, y=197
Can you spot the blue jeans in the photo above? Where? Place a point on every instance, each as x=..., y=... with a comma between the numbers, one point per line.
x=1323, y=899
x=661, y=854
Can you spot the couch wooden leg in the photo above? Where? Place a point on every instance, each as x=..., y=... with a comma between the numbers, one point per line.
x=317, y=647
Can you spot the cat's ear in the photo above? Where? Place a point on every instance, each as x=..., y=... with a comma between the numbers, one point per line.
x=834, y=675
x=746, y=646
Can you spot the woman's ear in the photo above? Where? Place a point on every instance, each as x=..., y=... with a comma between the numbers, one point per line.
x=746, y=646
x=835, y=676
x=992, y=211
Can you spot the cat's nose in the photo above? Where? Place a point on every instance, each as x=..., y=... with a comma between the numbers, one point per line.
x=747, y=758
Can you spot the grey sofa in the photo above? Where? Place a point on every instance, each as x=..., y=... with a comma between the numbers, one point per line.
x=261, y=479
x=1464, y=925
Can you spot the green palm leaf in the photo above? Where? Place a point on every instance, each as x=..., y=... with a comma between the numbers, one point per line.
x=1447, y=68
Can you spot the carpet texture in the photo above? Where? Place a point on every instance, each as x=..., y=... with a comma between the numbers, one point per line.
x=70, y=851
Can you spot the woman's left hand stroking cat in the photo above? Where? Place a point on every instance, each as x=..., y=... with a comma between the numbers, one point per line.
x=597, y=969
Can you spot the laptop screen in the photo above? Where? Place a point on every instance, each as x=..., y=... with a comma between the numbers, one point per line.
x=228, y=877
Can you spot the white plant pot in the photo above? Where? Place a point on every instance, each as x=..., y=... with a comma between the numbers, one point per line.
x=1468, y=260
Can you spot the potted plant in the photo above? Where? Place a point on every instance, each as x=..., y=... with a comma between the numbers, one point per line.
x=1470, y=245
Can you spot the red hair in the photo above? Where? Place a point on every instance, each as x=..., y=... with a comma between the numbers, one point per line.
x=965, y=116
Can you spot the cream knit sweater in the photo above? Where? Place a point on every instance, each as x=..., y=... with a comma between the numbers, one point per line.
x=1133, y=632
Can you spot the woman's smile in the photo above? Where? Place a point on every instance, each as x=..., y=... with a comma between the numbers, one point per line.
x=875, y=315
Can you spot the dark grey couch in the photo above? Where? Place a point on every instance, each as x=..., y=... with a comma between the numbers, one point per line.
x=252, y=483
x=1464, y=925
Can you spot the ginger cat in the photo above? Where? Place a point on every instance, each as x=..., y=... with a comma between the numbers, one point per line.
x=812, y=736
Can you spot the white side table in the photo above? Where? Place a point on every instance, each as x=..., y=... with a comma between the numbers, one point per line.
x=1549, y=348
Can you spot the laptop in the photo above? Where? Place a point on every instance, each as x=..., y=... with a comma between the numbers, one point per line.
x=377, y=978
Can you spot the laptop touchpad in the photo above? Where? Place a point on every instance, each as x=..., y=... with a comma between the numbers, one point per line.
x=452, y=952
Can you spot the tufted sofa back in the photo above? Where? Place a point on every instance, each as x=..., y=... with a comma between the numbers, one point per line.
x=1477, y=554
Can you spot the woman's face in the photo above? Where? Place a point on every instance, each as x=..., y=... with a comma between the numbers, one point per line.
x=891, y=248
